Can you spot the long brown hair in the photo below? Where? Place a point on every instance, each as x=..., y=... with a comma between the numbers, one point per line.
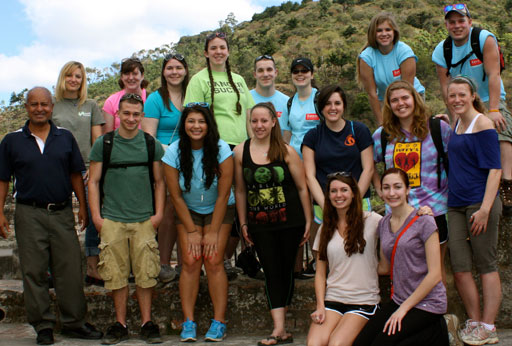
x=277, y=150
x=377, y=20
x=222, y=36
x=354, y=242
x=391, y=123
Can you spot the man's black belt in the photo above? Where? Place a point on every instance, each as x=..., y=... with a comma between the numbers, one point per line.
x=44, y=205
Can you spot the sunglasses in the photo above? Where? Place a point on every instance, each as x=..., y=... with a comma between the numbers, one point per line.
x=339, y=174
x=215, y=35
x=297, y=71
x=131, y=96
x=264, y=56
x=198, y=104
x=453, y=7
x=176, y=56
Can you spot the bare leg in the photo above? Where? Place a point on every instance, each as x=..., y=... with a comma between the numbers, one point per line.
x=92, y=266
x=491, y=287
x=217, y=279
x=144, y=298
x=347, y=330
x=167, y=233
x=189, y=278
x=120, y=297
x=468, y=292
x=506, y=159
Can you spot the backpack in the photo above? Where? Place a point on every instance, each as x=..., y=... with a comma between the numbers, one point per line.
x=108, y=143
x=475, y=48
x=435, y=132
x=315, y=102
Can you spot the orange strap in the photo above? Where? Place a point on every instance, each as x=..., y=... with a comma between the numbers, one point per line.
x=394, y=250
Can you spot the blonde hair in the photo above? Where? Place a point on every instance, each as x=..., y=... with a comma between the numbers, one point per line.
x=60, y=88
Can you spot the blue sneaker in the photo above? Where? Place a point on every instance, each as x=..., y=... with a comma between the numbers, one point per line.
x=188, y=331
x=217, y=331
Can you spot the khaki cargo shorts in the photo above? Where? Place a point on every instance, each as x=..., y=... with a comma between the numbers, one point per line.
x=128, y=247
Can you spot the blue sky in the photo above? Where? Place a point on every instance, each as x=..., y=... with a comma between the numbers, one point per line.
x=40, y=36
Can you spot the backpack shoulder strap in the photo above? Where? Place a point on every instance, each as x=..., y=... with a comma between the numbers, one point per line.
x=150, y=147
x=317, y=110
x=383, y=144
x=289, y=104
x=448, y=54
x=108, y=143
x=475, y=43
x=442, y=158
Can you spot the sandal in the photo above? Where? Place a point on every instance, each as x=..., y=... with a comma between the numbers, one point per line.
x=278, y=340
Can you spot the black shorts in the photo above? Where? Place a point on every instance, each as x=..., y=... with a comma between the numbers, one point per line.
x=365, y=311
x=442, y=228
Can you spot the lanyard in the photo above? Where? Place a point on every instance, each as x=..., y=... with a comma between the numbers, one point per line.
x=394, y=250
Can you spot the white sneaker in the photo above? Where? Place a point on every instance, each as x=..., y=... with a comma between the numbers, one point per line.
x=481, y=336
x=452, y=323
x=468, y=328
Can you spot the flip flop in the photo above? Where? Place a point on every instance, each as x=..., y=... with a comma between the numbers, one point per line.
x=278, y=340
x=89, y=280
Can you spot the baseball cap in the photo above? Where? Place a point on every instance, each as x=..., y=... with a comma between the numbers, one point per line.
x=304, y=62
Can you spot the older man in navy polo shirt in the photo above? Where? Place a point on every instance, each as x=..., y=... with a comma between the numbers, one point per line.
x=47, y=165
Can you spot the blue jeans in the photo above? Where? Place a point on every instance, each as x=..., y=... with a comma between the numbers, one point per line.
x=92, y=239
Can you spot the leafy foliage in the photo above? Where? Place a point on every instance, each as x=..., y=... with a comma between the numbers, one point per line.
x=330, y=32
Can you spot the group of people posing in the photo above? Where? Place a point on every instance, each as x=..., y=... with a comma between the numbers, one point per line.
x=203, y=158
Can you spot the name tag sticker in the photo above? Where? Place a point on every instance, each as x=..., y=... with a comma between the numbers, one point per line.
x=312, y=116
x=397, y=73
x=475, y=62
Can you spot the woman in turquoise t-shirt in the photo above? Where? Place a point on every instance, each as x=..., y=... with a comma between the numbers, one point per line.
x=230, y=98
x=162, y=115
x=385, y=59
x=199, y=173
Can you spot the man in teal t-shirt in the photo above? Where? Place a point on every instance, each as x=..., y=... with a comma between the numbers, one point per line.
x=126, y=221
x=265, y=73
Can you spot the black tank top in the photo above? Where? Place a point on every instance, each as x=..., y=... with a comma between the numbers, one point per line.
x=272, y=198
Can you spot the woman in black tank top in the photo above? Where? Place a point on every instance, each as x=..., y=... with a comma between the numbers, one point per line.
x=273, y=205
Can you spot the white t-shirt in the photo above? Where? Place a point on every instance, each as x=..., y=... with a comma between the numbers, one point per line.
x=354, y=279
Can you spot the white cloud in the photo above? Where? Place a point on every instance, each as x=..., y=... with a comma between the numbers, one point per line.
x=99, y=32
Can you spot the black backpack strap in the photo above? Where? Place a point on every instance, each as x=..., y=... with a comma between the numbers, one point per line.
x=150, y=146
x=317, y=110
x=448, y=54
x=108, y=142
x=289, y=104
x=383, y=144
x=475, y=46
x=437, y=138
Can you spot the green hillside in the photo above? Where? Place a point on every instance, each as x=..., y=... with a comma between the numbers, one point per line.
x=330, y=33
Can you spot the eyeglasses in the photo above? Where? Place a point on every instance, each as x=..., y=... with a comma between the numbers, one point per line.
x=199, y=104
x=297, y=71
x=176, y=56
x=264, y=56
x=216, y=34
x=460, y=7
x=339, y=174
x=131, y=59
x=131, y=96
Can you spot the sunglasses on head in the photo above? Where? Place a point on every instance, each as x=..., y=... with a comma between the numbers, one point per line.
x=302, y=70
x=199, y=104
x=215, y=35
x=452, y=7
x=339, y=174
x=264, y=56
x=176, y=56
x=132, y=97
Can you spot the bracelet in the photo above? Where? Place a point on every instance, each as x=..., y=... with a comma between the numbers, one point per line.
x=244, y=225
x=494, y=110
